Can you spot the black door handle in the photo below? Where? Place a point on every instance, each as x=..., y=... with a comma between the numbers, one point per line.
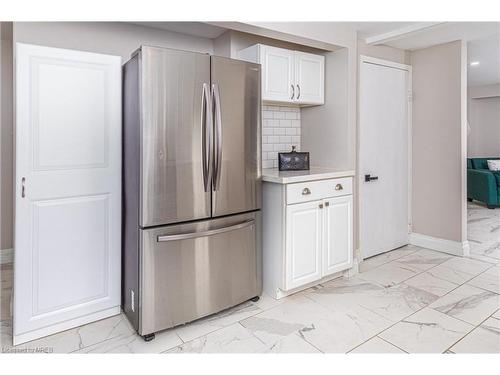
x=369, y=178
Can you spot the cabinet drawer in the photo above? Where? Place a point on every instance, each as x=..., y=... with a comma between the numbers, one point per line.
x=314, y=190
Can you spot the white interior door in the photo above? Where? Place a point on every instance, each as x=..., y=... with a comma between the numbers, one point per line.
x=383, y=153
x=67, y=190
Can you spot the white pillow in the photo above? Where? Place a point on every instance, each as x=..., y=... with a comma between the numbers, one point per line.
x=494, y=165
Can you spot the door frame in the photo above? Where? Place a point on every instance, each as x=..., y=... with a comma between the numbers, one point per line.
x=408, y=69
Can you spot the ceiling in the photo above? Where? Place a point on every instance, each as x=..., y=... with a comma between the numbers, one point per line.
x=483, y=39
x=367, y=29
x=486, y=51
x=199, y=29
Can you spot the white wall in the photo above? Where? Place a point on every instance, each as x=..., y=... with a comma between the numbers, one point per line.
x=115, y=38
x=484, y=122
x=439, y=136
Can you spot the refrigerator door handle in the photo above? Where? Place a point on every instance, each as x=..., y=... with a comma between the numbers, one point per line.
x=206, y=136
x=211, y=232
x=218, y=136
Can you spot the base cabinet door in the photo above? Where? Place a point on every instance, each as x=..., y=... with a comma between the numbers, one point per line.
x=303, y=244
x=337, y=235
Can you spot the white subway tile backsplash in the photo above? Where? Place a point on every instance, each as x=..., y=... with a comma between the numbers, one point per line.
x=267, y=147
x=280, y=131
x=267, y=131
x=285, y=123
x=267, y=164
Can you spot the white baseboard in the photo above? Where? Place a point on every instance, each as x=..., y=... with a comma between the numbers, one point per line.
x=6, y=256
x=440, y=244
x=63, y=326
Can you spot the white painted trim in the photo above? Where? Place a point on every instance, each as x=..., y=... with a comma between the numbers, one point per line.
x=6, y=256
x=409, y=69
x=440, y=244
x=401, y=33
x=63, y=326
x=388, y=63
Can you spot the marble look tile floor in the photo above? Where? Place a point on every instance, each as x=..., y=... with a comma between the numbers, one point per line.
x=410, y=300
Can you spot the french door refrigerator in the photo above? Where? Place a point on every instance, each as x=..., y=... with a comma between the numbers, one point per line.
x=191, y=186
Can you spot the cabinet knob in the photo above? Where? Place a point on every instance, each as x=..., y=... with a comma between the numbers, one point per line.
x=339, y=187
x=306, y=191
x=327, y=204
x=321, y=205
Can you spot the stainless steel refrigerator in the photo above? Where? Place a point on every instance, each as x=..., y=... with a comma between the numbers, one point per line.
x=192, y=186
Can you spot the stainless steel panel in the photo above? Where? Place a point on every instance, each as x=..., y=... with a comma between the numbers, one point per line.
x=172, y=175
x=185, y=276
x=237, y=136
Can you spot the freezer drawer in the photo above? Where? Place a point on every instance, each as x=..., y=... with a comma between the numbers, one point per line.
x=192, y=270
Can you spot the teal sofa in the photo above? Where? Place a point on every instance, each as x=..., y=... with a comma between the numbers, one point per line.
x=483, y=185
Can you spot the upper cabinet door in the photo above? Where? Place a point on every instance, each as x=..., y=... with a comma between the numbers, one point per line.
x=337, y=235
x=277, y=74
x=68, y=189
x=303, y=244
x=309, y=78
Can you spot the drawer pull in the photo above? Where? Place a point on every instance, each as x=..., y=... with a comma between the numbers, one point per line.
x=327, y=204
x=321, y=205
x=306, y=191
x=339, y=187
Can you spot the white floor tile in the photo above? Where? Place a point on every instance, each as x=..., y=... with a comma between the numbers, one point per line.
x=377, y=345
x=397, y=302
x=292, y=344
x=134, y=343
x=468, y=303
x=459, y=270
x=427, y=331
x=489, y=280
x=432, y=284
x=423, y=260
x=214, y=322
x=388, y=274
x=378, y=260
x=483, y=339
x=231, y=339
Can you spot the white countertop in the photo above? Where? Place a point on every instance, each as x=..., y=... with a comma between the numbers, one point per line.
x=315, y=173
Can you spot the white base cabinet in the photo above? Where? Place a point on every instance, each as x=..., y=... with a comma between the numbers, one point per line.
x=307, y=233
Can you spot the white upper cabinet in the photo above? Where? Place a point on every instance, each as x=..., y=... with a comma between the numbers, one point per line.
x=288, y=76
x=277, y=74
x=309, y=78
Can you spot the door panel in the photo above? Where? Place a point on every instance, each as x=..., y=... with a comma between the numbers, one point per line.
x=303, y=244
x=278, y=74
x=383, y=152
x=310, y=78
x=337, y=235
x=238, y=187
x=172, y=185
x=68, y=188
x=192, y=270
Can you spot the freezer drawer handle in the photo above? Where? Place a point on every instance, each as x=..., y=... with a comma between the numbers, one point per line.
x=211, y=232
